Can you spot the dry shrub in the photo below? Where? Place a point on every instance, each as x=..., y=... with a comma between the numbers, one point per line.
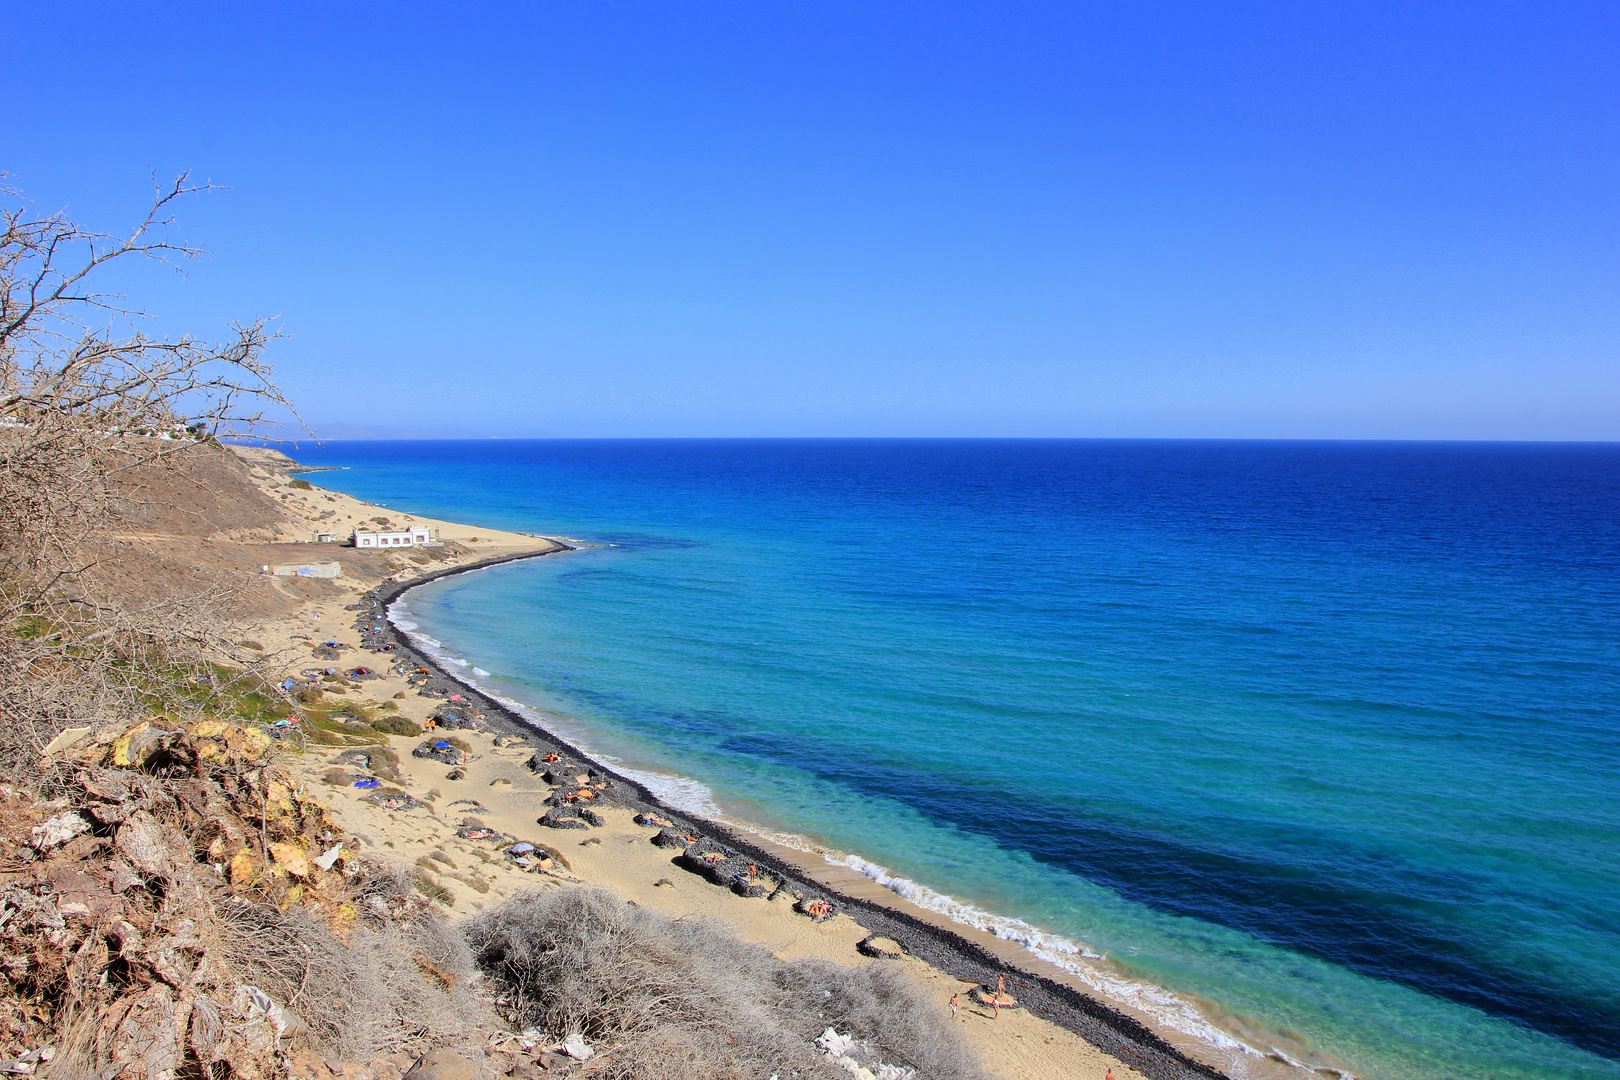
x=388, y=986
x=671, y=999
x=883, y=1007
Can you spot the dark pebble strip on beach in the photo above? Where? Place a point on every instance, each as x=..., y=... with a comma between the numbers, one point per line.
x=1102, y=1026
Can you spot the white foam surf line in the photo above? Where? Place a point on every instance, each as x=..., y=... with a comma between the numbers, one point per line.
x=1164, y=1007
x=672, y=789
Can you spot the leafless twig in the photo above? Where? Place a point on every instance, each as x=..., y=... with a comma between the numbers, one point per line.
x=88, y=400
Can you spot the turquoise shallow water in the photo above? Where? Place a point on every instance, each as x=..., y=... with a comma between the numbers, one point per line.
x=1322, y=737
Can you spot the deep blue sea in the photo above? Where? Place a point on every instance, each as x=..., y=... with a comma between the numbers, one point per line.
x=1320, y=738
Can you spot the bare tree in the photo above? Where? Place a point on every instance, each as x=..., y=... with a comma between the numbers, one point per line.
x=86, y=398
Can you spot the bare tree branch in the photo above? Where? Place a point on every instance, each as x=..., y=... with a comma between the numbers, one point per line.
x=86, y=398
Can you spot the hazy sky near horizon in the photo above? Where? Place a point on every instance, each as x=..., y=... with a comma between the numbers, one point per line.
x=1336, y=220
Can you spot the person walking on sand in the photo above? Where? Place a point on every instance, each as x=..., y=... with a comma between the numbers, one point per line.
x=956, y=1001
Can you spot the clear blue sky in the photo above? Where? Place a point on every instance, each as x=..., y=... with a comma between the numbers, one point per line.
x=1043, y=218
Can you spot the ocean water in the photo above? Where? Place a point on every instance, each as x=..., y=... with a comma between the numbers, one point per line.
x=1308, y=748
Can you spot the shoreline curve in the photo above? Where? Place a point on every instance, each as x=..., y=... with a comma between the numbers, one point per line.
x=1098, y=1023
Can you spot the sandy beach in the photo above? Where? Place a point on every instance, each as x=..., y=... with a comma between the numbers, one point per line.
x=453, y=816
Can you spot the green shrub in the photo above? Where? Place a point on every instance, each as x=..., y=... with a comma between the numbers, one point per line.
x=301, y=485
x=396, y=725
x=385, y=763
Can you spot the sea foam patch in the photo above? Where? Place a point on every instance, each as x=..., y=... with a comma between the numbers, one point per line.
x=677, y=792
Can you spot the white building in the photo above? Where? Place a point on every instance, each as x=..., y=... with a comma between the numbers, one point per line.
x=412, y=537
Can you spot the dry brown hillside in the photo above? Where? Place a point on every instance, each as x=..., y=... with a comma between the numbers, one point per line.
x=205, y=490
x=204, y=521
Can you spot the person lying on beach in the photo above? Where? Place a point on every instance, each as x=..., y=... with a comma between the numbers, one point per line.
x=817, y=909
